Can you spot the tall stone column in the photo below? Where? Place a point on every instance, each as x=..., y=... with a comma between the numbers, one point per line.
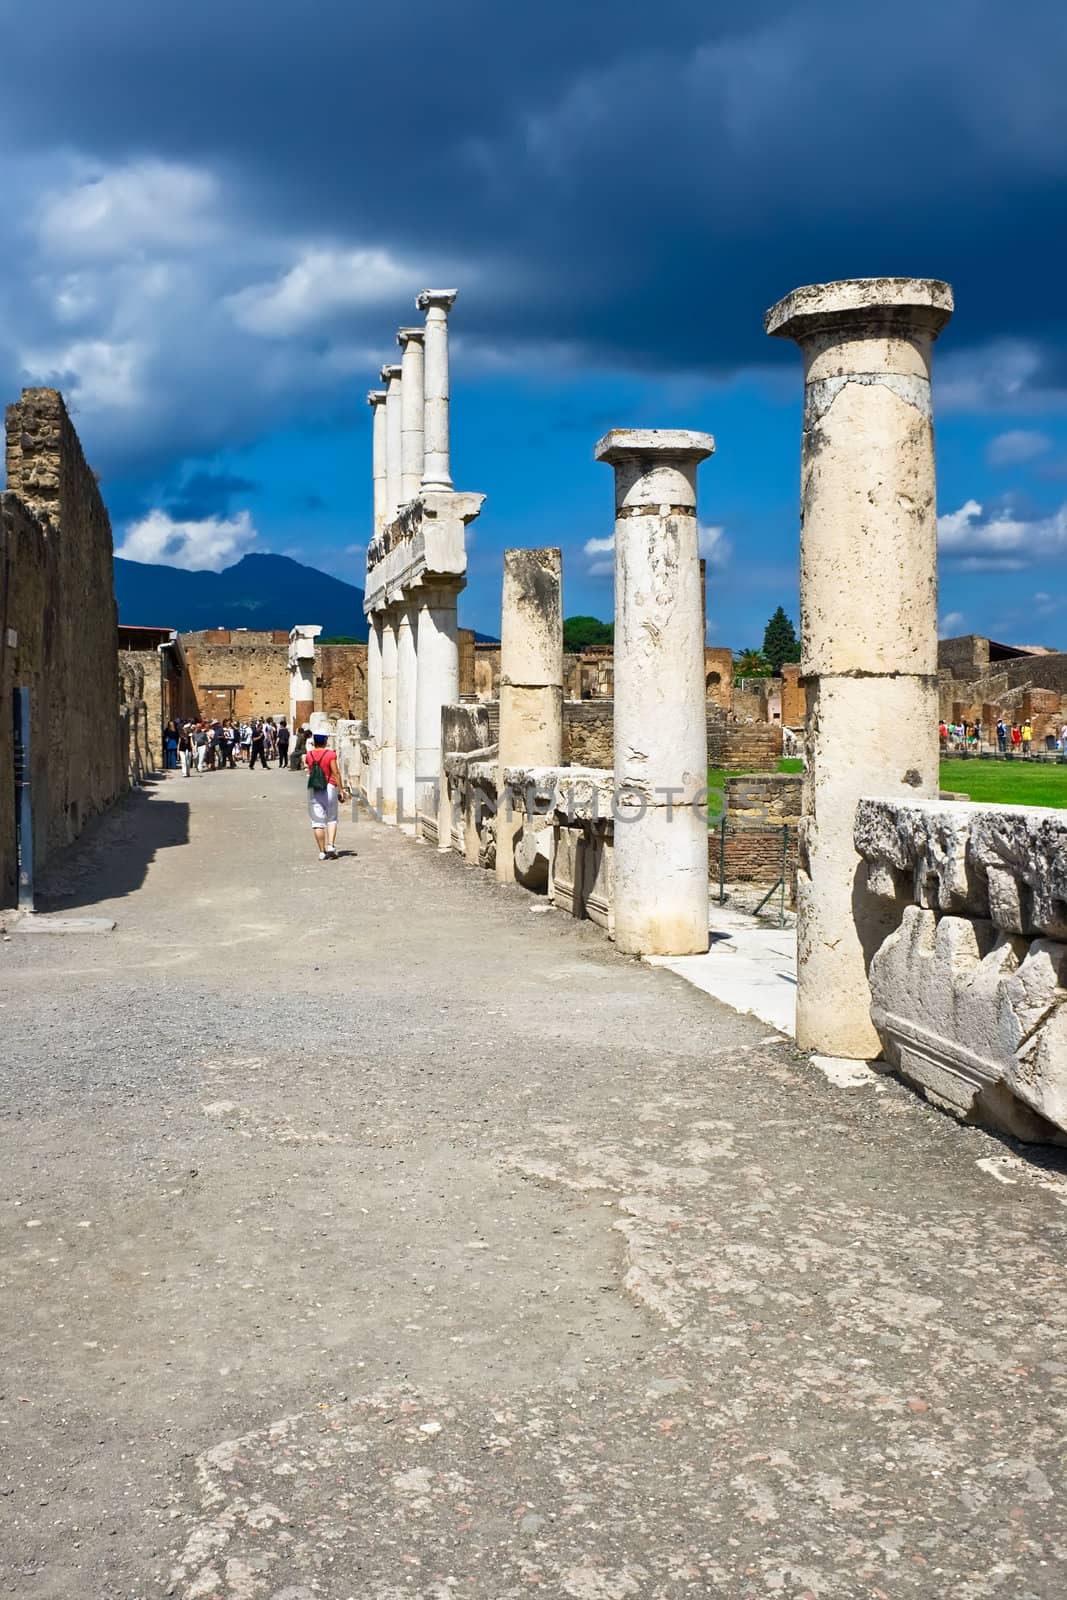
x=406, y=692
x=376, y=399
x=412, y=406
x=437, y=468
x=868, y=606
x=531, y=678
x=387, y=749
x=661, y=743
x=302, y=673
x=393, y=439
x=374, y=705
x=437, y=676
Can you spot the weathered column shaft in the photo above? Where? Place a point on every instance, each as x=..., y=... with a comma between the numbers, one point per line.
x=374, y=705
x=531, y=679
x=437, y=676
x=376, y=399
x=437, y=468
x=412, y=406
x=406, y=692
x=388, y=733
x=661, y=748
x=393, y=439
x=868, y=604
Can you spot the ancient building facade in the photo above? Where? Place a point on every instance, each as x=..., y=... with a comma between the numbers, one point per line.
x=58, y=638
x=980, y=680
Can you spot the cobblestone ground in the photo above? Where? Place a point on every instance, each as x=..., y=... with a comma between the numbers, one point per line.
x=372, y=1231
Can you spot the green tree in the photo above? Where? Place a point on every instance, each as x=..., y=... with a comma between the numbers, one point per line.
x=751, y=664
x=780, y=642
x=579, y=632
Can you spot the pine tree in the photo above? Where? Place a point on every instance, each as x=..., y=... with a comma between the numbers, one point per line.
x=780, y=643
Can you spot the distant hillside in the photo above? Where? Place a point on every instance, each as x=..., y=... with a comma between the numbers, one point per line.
x=259, y=591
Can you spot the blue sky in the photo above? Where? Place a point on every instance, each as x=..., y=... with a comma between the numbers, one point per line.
x=217, y=218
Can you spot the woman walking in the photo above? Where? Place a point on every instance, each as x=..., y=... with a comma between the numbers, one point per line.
x=185, y=748
x=170, y=746
x=325, y=793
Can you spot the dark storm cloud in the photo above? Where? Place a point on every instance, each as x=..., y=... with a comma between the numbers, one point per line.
x=628, y=182
x=208, y=494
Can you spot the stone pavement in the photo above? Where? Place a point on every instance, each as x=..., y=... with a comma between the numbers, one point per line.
x=370, y=1230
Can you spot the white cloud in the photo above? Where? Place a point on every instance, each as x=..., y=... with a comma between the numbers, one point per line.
x=714, y=546
x=99, y=373
x=950, y=622
x=321, y=284
x=1003, y=376
x=600, y=554
x=207, y=545
x=1000, y=541
x=144, y=205
x=1017, y=446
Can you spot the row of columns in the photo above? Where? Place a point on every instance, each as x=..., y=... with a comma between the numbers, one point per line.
x=410, y=440
x=868, y=577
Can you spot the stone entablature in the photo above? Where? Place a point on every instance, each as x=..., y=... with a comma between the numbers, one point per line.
x=424, y=544
x=969, y=994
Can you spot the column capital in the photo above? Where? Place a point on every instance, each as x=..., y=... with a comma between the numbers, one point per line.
x=406, y=336
x=676, y=444
x=376, y=397
x=854, y=306
x=390, y=373
x=437, y=299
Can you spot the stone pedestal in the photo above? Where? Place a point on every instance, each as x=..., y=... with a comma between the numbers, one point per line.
x=437, y=686
x=868, y=602
x=661, y=831
x=376, y=400
x=437, y=468
x=393, y=439
x=412, y=404
x=387, y=747
x=406, y=690
x=531, y=678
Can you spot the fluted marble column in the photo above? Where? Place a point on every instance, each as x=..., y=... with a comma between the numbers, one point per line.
x=376, y=400
x=393, y=439
x=387, y=748
x=412, y=407
x=406, y=693
x=661, y=741
x=868, y=612
x=437, y=467
x=437, y=685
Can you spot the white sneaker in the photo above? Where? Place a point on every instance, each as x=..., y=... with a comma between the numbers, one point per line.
x=322, y=855
x=331, y=850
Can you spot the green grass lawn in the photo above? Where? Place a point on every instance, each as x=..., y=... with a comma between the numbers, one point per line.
x=1010, y=783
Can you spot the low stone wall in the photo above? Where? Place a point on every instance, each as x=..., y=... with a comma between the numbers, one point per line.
x=969, y=993
x=744, y=746
x=759, y=811
x=588, y=732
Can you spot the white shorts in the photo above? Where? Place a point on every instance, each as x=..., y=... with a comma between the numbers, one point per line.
x=322, y=806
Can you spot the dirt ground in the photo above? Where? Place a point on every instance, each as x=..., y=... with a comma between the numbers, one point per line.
x=371, y=1231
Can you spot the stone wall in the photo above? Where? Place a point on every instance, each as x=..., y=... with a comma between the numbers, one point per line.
x=744, y=746
x=719, y=677
x=48, y=473
x=141, y=678
x=981, y=681
x=240, y=673
x=762, y=821
x=588, y=732
x=27, y=632
x=341, y=680
x=969, y=990
x=794, y=698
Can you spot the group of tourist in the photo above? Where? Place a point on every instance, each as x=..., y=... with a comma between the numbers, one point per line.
x=211, y=746
x=1016, y=738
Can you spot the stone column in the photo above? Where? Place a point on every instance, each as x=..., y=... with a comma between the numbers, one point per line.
x=531, y=679
x=412, y=406
x=376, y=400
x=437, y=469
x=302, y=673
x=406, y=690
x=437, y=675
x=868, y=605
x=387, y=746
x=374, y=705
x=661, y=745
x=393, y=440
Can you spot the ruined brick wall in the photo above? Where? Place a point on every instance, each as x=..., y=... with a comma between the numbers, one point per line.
x=47, y=471
x=341, y=680
x=745, y=746
x=762, y=815
x=466, y=661
x=27, y=634
x=248, y=671
x=588, y=733
x=963, y=656
x=1028, y=687
x=141, y=673
x=719, y=676
x=794, y=698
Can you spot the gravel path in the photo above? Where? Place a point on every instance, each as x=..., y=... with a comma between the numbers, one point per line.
x=372, y=1231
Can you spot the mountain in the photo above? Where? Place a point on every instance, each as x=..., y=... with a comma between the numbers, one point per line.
x=259, y=591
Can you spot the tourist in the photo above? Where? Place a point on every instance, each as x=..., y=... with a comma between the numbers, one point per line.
x=200, y=745
x=246, y=742
x=325, y=793
x=256, y=747
x=942, y=734
x=1027, y=737
x=170, y=745
x=1063, y=739
x=226, y=738
x=1002, y=736
x=269, y=736
x=185, y=748
x=1016, y=738
x=283, y=745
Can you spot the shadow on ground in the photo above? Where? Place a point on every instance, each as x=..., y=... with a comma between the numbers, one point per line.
x=112, y=856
